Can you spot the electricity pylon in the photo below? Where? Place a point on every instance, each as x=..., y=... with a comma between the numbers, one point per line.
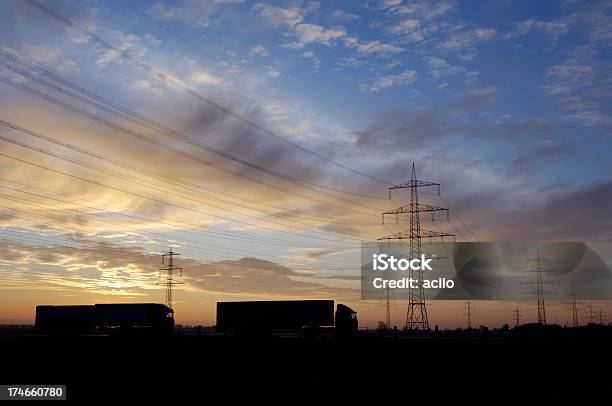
x=574, y=307
x=589, y=307
x=575, y=320
x=168, y=278
x=416, y=316
x=517, y=316
x=539, y=282
x=468, y=313
x=387, y=301
x=388, y=315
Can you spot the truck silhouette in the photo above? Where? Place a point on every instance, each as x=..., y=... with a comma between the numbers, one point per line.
x=297, y=316
x=121, y=318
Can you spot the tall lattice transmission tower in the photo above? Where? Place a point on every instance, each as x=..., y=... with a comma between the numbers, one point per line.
x=416, y=316
x=170, y=269
x=539, y=282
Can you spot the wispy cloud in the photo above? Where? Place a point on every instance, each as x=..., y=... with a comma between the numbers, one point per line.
x=383, y=82
x=315, y=34
x=461, y=38
x=343, y=16
x=480, y=102
x=112, y=270
x=425, y=9
x=259, y=50
x=440, y=68
x=278, y=16
x=197, y=13
x=50, y=56
x=552, y=29
x=308, y=33
x=581, y=83
x=375, y=47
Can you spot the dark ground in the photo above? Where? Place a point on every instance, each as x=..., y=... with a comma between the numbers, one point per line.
x=178, y=368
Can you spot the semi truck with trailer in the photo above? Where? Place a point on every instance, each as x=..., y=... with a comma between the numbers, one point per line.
x=120, y=318
x=308, y=317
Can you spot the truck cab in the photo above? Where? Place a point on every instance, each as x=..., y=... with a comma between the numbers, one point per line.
x=346, y=320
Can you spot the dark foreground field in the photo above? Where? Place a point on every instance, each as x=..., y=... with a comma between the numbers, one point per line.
x=203, y=367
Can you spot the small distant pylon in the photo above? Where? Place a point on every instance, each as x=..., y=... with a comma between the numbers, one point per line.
x=388, y=302
x=168, y=279
x=468, y=313
x=540, y=288
x=388, y=315
x=416, y=316
x=574, y=308
x=603, y=318
x=589, y=307
x=517, y=317
x=575, y=320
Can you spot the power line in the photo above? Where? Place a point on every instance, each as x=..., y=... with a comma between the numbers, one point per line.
x=54, y=242
x=165, y=129
x=139, y=181
x=137, y=118
x=178, y=83
x=106, y=220
x=162, y=201
x=158, y=175
x=456, y=215
x=207, y=245
x=80, y=215
x=173, y=224
x=154, y=174
x=182, y=240
x=229, y=68
x=158, y=144
x=125, y=55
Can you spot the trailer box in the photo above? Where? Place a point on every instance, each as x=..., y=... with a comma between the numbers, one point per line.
x=69, y=320
x=155, y=316
x=267, y=316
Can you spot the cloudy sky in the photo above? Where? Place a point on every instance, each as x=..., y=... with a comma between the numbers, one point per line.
x=259, y=140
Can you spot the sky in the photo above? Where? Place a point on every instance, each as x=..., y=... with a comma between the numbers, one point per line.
x=259, y=140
